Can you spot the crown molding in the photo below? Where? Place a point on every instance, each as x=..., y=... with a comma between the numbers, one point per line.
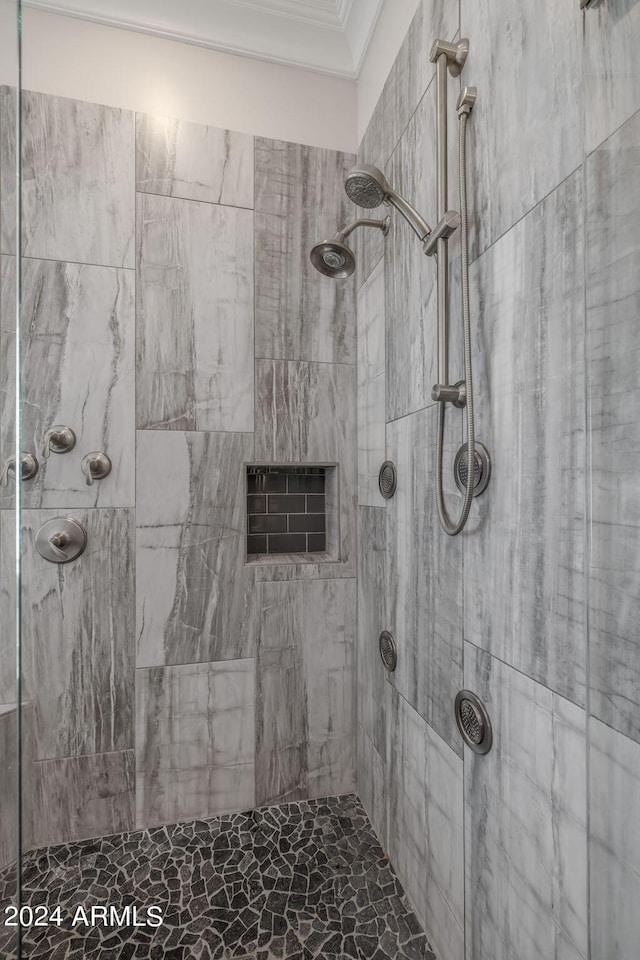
x=325, y=36
x=325, y=13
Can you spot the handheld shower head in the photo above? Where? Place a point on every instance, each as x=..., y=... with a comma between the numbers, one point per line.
x=367, y=186
x=334, y=258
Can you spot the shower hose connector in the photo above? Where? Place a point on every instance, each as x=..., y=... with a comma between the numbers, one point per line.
x=455, y=393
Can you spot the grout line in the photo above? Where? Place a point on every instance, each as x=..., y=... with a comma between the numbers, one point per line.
x=537, y=204
x=528, y=676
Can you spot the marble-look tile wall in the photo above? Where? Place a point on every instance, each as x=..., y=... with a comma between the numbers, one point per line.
x=170, y=679
x=535, y=605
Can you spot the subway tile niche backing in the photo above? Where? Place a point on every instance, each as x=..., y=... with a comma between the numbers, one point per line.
x=287, y=509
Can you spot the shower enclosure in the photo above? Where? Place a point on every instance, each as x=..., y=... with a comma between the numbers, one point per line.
x=202, y=753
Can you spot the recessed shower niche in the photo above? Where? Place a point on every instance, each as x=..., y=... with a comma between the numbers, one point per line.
x=292, y=513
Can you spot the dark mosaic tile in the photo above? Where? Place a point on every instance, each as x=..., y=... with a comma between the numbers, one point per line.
x=302, y=881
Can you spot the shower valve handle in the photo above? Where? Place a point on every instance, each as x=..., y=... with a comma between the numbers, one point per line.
x=95, y=466
x=60, y=439
x=450, y=393
x=29, y=468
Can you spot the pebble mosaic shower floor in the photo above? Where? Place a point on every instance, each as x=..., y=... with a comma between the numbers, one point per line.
x=300, y=881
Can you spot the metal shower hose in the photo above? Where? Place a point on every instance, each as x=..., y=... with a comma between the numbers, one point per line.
x=453, y=529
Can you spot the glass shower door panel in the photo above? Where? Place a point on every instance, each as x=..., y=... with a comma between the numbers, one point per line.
x=11, y=718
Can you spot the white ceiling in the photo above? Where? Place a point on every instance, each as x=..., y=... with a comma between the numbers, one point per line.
x=329, y=36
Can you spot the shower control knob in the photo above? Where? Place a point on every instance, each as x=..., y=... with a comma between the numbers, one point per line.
x=95, y=466
x=447, y=393
x=61, y=540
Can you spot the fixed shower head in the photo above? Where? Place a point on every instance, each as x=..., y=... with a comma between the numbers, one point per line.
x=334, y=258
x=367, y=186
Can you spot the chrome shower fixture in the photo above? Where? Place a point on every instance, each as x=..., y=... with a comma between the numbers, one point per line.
x=367, y=186
x=334, y=258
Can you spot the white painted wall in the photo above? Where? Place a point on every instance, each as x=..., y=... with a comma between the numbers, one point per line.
x=89, y=61
x=390, y=30
x=8, y=42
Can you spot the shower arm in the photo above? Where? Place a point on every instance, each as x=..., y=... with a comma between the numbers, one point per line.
x=383, y=225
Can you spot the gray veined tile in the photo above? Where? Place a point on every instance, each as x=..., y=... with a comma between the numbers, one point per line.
x=179, y=159
x=300, y=200
x=525, y=821
x=194, y=316
x=425, y=824
x=195, y=598
x=8, y=607
x=77, y=362
x=371, y=387
x=372, y=620
x=524, y=544
x=409, y=77
x=372, y=785
x=613, y=300
x=614, y=845
x=194, y=741
x=305, y=704
x=78, y=637
x=77, y=797
x=306, y=413
x=424, y=572
x=525, y=133
x=611, y=71
x=77, y=156
x=8, y=786
x=8, y=177
x=410, y=276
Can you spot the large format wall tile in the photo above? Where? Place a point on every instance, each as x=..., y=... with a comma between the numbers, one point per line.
x=78, y=177
x=306, y=413
x=180, y=159
x=425, y=825
x=305, y=709
x=525, y=821
x=77, y=362
x=8, y=604
x=613, y=302
x=614, y=849
x=194, y=315
x=8, y=786
x=371, y=387
x=410, y=276
x=90, y=796
x=300, y=200
x=408, y=78
x=524, y=546
x=8, y=178
x=424, y=574
x=194, y=741
x=78, y=637
x=195, y=597
x=372, y=784
x=611, y=70
x=525, y=133
x=372, y=619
